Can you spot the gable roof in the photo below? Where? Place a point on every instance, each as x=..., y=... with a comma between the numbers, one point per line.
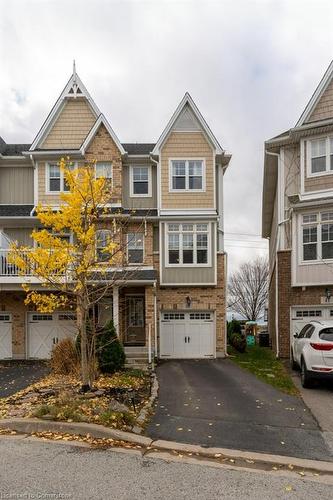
x=101, y=120
x=323, y=84
x=188, y=101
x=73, y=88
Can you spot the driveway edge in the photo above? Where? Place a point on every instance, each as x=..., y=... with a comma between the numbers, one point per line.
x=30, y=425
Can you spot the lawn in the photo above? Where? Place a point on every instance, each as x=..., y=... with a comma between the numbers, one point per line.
x=262, y=362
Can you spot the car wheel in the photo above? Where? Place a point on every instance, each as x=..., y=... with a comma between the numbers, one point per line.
x=293, y=364
x=306, y=379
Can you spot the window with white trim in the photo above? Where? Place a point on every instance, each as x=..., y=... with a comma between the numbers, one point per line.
x=103, y=240
x=317, y=236
x=103, y=169
x=320, y=154
x=188, y=244
x=186, y=175
x=140, y=181
x=56, y=182
x=135, y=248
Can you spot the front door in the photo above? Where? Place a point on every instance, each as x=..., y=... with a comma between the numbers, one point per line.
x=135, y=320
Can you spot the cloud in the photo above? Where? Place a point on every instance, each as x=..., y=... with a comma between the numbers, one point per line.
x=250, y=66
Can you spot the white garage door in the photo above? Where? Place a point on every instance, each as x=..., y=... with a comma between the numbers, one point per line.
x=300, y=316
x=187, y=335
x=46, y=330
x=5, y=336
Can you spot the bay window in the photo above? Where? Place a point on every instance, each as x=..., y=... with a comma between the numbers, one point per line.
x=317, y=236
x=187, y=244
x=187, y=175
x=320, y=154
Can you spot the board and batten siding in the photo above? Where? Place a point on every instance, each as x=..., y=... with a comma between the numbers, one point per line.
x=188, y=275
x=187, y=145
x=138, y=201
x=16, y=185
x=21, y=235
x=72, y=125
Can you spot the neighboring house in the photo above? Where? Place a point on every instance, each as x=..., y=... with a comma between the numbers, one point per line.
x=298, y=219
x=177, y=292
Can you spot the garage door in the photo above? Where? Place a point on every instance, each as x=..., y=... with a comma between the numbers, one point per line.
x=300, y=316
x=187, y=335
x=46, y=330
x=5, y=336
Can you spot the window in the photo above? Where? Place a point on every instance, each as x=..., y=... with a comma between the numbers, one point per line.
x=56, y=181
x=187, y=175
x=173, y=316
x=317, y=236
x=187, y=244
x=326, y=334
x=308, y=314
x=320, y=152
x=103, y=240
x=103, y=169
x=135, y=248
x=140, y=181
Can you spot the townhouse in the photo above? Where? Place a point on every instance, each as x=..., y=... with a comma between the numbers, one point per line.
x=297, y=217
x=172, y=191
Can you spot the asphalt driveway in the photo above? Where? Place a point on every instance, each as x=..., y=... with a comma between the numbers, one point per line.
x=17, y=375
x=216, y=403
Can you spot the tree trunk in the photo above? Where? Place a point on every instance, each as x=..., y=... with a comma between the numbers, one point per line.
x=82, y=328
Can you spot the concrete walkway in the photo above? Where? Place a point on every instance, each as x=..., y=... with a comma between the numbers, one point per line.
x=319, y=400
x=216, y=403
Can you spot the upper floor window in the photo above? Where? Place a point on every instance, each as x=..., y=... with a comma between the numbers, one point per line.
x=56, y=182
x=187, y=175
x=320, y=153
x=317, y=233
x=140, y=181
x=188, y=244
x=103, y=169
x=103, y=240
x=135, y=248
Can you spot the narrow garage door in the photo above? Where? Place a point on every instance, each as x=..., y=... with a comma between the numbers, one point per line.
x=187, y=335
x=46, y=330
x=5, y=336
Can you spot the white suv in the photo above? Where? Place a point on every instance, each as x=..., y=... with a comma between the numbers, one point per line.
x=312, y=351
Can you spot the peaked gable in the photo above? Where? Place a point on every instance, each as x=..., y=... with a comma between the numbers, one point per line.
x=73, y=104
x=187, y=115
x=101, y=120
x=320, y=106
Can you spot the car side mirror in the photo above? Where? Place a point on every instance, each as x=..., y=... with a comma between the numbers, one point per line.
x=295, y=335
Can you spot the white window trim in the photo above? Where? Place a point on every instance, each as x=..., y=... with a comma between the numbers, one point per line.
x=181, y=265
x=134, y=195
x=317, y=224
x=328, y=170
x=143, y=250
x=97, y=162
x=62, y=178
x=187, y=190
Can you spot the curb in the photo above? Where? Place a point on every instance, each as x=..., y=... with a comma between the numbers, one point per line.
x=29, y=425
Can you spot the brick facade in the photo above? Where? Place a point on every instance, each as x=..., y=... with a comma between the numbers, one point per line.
x=13, y=302
x=288, y=296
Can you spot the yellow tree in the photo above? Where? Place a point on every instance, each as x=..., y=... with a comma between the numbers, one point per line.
x=72, y=272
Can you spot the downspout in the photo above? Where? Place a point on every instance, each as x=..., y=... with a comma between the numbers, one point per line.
x=35, y=185
x=155, y=319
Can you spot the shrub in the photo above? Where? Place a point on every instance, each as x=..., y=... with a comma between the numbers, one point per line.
x=110, y=352
x=234, y=326
x=65, y=358
x=238, y=341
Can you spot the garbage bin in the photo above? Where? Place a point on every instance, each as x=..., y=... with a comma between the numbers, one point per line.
x=264, y=339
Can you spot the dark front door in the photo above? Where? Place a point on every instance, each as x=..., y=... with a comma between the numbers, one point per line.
x=135, y=320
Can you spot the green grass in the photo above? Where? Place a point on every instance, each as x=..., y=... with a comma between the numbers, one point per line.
x=262, y=362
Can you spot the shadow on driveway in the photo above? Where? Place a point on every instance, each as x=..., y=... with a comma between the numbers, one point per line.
x=216, y=403
x=17, y=375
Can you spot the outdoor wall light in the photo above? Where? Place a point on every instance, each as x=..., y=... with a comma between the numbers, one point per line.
x=188, y=301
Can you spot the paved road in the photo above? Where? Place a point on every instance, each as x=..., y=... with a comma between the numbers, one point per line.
x=216, y=403
x=37, y=469
x=15, y=376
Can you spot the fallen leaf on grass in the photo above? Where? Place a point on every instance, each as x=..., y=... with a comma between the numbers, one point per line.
x=218, y=455
x=288, y=488
x=249, y=461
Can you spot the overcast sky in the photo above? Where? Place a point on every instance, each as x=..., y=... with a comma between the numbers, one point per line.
x=250, y=66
